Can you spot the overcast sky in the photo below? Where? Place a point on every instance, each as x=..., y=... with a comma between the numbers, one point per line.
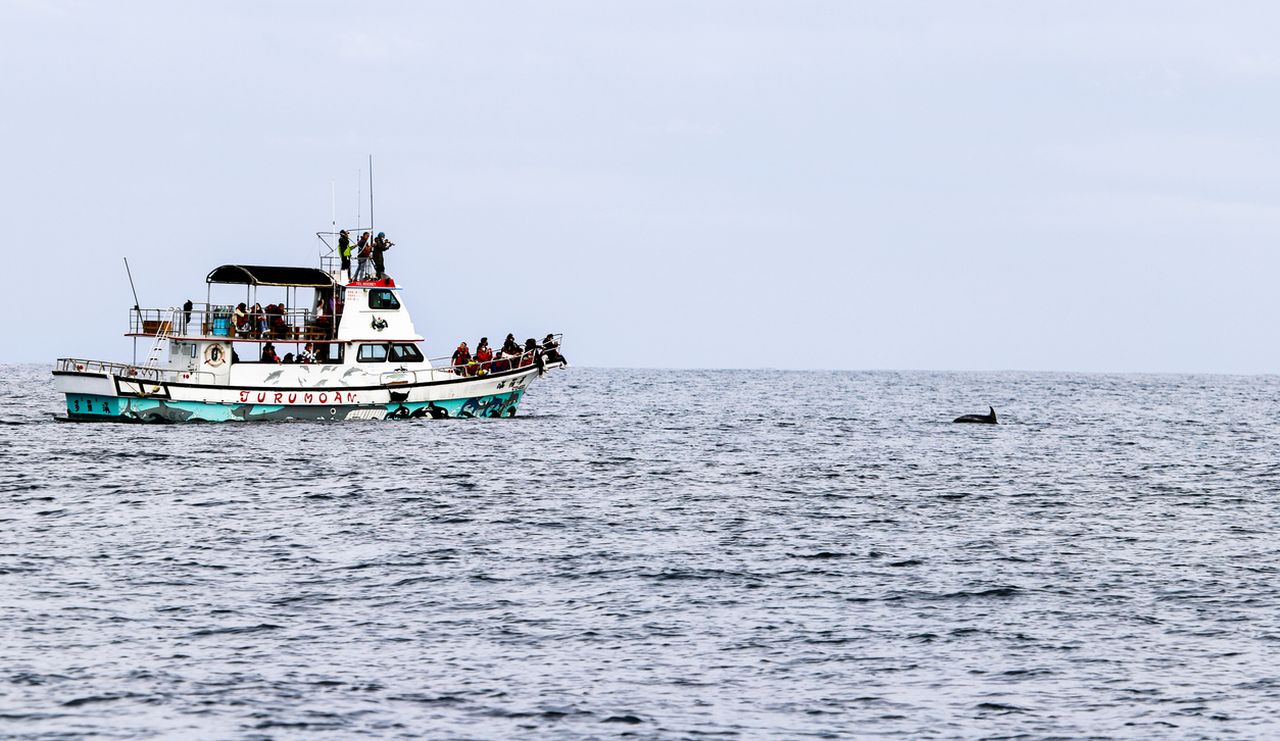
x=943, y=185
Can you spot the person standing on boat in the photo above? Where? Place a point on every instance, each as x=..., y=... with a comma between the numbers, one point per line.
x=186, y=315
x=344, y=250
x=380, y=245
x=363, y=252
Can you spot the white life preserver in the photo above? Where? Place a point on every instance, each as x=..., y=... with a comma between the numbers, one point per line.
x=214, y=356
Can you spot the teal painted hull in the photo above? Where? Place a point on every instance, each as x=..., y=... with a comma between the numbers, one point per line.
x=94, y=408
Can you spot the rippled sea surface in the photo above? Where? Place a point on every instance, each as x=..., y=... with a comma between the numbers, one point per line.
x=657, y=554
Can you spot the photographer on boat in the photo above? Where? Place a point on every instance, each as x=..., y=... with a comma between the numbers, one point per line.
x=380, y=245
x=551, y=349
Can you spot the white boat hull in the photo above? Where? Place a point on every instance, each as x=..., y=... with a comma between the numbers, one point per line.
x=106, y=395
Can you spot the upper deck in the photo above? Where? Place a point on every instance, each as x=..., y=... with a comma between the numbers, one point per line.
x=318, y=321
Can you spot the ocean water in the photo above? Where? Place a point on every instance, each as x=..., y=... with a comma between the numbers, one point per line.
x=657, y=554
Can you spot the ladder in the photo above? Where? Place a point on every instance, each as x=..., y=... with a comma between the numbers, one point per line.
x=163, y=333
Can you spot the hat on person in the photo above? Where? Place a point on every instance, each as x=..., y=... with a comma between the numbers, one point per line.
x=382, y=234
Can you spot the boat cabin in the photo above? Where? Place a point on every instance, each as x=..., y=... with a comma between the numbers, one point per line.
x=285, y=311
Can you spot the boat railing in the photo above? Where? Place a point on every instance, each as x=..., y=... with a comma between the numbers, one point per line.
x=330, y=260
x=445, y=366
x=220, y=320
x=132, y=371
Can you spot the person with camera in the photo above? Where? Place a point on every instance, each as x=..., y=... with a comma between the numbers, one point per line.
x=380, y=245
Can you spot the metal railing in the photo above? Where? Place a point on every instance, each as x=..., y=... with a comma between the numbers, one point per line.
x=220, y=320
x=330, y=260
x=131, y=371
x=474, y=367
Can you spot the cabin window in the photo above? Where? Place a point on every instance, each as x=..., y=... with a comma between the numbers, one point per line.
x=405, y=352
x=372, y=354
x=329, y=354
x=382, y=298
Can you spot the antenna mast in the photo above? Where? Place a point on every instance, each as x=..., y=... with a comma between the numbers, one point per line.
x=358, y=179
x=136, y=307
x=129, y=273
x=371, y=192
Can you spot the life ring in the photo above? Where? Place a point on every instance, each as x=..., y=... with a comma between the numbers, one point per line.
x=214, y=356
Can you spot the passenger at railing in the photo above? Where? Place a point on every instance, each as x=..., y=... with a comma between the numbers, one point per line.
x=502, y=361
x=510, y=346
x=461, y=357
x=258, y=317
x=380, y=245
x=279, y=327
x=530, y=348
x=484, y=354
x=186, y=315
x=308, y=354
x=551, y=349
x=344, y=250
x=364, y=251
x=269, y=354
x=240, y=319
x=288, y=358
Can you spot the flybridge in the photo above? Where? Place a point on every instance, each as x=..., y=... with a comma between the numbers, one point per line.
x=297, y=318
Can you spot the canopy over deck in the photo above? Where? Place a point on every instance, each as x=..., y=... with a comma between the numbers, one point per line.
x=270, y=275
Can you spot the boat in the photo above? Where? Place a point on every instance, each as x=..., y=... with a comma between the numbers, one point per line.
x=209, y=362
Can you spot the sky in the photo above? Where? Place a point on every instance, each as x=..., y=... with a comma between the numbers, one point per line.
x=1056, y=186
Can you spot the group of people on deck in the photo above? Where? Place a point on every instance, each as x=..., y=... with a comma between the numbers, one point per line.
x=366, y=251
x=306, y=356
x=509, y=356
x=260, y=322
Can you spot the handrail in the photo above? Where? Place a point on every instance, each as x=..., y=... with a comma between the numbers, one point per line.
x=218, y=320
x=129, y=370
x=477, y=368
x=144, y=373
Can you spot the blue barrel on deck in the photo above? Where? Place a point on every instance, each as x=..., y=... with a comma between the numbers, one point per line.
x=222, y=326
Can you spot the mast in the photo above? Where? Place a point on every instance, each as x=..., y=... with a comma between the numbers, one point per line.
x=371, y=193
x=136, y=307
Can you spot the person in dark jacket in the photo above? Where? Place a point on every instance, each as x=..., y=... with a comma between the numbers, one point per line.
x=380, y=245
x=551, y=349
x=344, y=250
